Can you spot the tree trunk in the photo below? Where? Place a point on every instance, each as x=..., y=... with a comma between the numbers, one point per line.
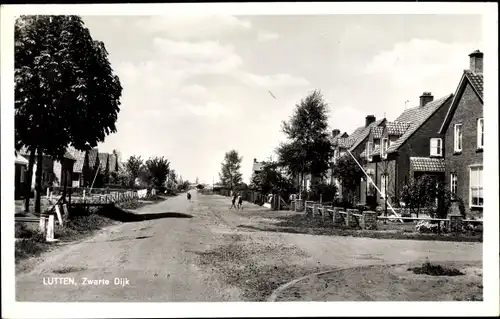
x=27, y=182
x=38, y=181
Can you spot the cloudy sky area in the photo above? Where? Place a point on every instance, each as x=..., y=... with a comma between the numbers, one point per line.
x=196, y=87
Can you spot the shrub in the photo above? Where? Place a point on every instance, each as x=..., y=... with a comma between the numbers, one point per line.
x=435, y=270
x=29, y=247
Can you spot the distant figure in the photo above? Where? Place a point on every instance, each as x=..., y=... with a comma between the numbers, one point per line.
x=240, y=202
x=233, y=202
x=189, y=196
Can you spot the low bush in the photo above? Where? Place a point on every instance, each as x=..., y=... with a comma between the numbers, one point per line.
x=435, y=270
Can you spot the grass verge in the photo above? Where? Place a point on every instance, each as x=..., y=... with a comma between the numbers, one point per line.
x=388, y=283
x=302, y=224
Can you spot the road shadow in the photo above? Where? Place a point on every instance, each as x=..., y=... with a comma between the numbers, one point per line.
x=124, y=216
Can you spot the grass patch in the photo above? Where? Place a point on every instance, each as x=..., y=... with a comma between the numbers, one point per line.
x=303, y=224
x=30, y=247
x=67, y=270
x=78, y=227
x=387, y=283
x=435, y=270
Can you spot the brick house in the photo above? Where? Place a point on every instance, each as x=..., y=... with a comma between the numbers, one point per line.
x=463, y=133
x=406, y=148
x=355, y=144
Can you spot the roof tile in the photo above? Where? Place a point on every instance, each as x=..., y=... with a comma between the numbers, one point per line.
x=476, y=80
x=397, y=128
x=80, y=159
x=427, y=164
x=416, y=117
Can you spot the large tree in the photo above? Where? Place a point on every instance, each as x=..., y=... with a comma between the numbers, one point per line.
x=133, y=168
x=230, y=175
x=308, y=149
x=348, y=172
x=270, y=178
x=65, y=90
x=158, y=168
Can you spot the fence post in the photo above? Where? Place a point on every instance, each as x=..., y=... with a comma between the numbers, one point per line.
x=351, y=219
x=299, y=205
x=455, y=223
x=50, y=228
x=338, y=219
x=369, y=220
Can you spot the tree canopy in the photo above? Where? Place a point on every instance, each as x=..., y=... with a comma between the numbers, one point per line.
x=230, y=175
x=65, y=90
x=308, y=149
x=158, y=168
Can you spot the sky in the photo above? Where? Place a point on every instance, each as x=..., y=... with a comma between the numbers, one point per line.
x=195, y=87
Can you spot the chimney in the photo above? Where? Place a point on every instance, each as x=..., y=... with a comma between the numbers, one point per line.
x=425, y=98
x=255, y=160
x=369, y=120
x=335, y=132
x=476, y=62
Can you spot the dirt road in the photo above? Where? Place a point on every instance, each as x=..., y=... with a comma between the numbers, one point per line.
x=198, y=251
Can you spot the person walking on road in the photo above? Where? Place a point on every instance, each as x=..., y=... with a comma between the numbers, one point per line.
x=233, y=204
x=240, y=202
x=189, y=196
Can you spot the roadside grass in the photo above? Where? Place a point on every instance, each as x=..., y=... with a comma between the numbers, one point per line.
x=391, y=283
x=299, y=223
x=240, y=264
x=84, y=222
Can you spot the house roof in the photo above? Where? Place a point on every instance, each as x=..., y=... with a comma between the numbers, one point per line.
x=112, y=162
x=79, y=159
x=416, y=117
x=21, y=160
x=476, y=81
x=103, y=160
x=361, y=133
x=377, y=131
x=24, y=152
x=93, y=156
x=427, y=164
x=335, y=139
x=397, y=128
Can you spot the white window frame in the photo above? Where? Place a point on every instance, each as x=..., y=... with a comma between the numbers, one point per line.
x=479, y=187
x=383, y=185
x=457, y=138
x=480, y=133
x=369, y=150
x=384, y=146
x=454, y=185
x=436, y=150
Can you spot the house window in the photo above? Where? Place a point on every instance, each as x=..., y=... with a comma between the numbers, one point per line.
x=476, y=186
x=384, y=147
x=480, y=133
x=382, y=186
x=436, y=147
x=453, y=185
x=369, y=149
x=458, y=138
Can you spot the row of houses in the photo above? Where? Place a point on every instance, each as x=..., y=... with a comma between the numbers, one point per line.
x=442, y=138
x=75, y=169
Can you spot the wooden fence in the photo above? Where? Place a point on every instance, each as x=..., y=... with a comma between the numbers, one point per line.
x=355, y=218
x=59, y=210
